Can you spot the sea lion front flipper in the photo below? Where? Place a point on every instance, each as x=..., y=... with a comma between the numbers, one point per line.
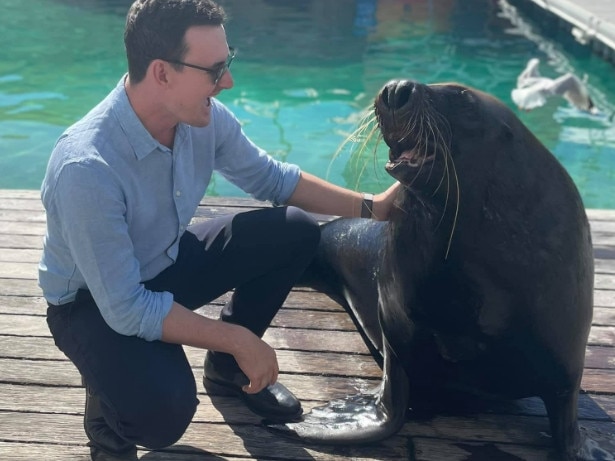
x=360, y=418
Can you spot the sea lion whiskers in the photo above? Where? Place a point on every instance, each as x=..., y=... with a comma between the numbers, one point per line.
x=450, y=239
x=373, y=131
x=443, y=141
x=366, y=122
x=434, y=135
x=436, y=140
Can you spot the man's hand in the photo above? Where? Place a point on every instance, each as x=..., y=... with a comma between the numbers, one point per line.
x=384, y=202
x=258, y=362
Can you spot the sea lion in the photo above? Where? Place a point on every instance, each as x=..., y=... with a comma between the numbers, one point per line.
x=481, y=282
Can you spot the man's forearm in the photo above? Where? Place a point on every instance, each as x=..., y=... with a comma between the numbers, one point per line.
x=182, y=326
x=319, y=196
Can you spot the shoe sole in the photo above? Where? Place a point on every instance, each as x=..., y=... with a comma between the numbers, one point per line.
x=213, y=388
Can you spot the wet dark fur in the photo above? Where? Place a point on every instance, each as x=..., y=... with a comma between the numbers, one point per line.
x=482, y=280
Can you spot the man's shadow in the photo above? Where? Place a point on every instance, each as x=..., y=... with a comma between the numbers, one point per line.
x=257, y=440
x=175, y=452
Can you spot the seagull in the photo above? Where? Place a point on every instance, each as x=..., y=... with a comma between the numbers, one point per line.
x=533, y=89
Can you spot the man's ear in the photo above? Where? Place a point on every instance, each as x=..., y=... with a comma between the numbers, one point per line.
x=159, y=71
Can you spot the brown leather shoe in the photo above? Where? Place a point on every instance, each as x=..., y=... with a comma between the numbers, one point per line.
x=275, y=402
x=105, y=444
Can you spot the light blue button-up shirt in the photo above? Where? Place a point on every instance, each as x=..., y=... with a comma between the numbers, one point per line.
x=118, y=201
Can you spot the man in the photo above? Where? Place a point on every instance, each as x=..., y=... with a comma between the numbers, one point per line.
x=122, y=270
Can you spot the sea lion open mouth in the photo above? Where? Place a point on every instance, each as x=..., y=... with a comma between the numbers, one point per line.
x=412, y=158
x=418, y=136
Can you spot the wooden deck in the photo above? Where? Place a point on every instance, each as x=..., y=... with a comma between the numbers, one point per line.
x=320, y=355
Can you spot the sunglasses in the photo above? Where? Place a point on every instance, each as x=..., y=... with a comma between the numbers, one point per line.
x=215, y=72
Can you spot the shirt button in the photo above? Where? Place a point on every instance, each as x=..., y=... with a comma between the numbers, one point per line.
x=178, y=193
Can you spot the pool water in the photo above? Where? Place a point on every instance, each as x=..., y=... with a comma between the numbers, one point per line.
x=305, y=72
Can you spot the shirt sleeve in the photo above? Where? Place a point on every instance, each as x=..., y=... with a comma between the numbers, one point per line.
x=248, y=166
x=91, y=207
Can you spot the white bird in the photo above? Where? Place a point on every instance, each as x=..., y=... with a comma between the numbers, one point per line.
x=533, y=89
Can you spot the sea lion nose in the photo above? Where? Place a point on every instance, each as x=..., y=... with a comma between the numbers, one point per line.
x=396, y=94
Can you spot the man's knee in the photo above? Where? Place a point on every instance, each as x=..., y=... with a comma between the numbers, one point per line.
x=304, y=227
x=162, y=421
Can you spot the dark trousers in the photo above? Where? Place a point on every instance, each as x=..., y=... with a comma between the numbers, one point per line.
x=147, y=389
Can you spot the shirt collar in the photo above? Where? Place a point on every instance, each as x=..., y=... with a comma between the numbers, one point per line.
x=142, y=142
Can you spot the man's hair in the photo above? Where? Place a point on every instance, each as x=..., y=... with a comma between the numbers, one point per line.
x=155, y=29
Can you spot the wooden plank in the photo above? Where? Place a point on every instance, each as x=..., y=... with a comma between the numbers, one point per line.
x=64, y=373
x=603, y=243
x=301, y=339
x=295, y=310
x=600, y=357
x=19, y=228
x=604, y=256
x=234, y=202
x=27, y=451
x=21, y=241
x=297, y=298
x=291, y=361
x=23, y=305
x=22, y=204
x=18, y=451
x=604, y=316
x=306, y=387
x=24, y=255
x=10, y=286
x=18, y=270
x=243, y=440
x=604, y=298
x=604, y=281
x=298, y=302
x=605, y=266
x=598, y=380
x=70, y=400
x=307, y=301
x=602, y=336
x=19, y=287
x=23, y=217
x=286, y=317
x=599, y=226
x=19, y=193
x=307, y=340
x=426, y=449
x=22, y=263
x=236, y=439
x=601, y=215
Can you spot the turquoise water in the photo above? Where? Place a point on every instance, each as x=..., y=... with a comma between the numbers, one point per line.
x=305, y=71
